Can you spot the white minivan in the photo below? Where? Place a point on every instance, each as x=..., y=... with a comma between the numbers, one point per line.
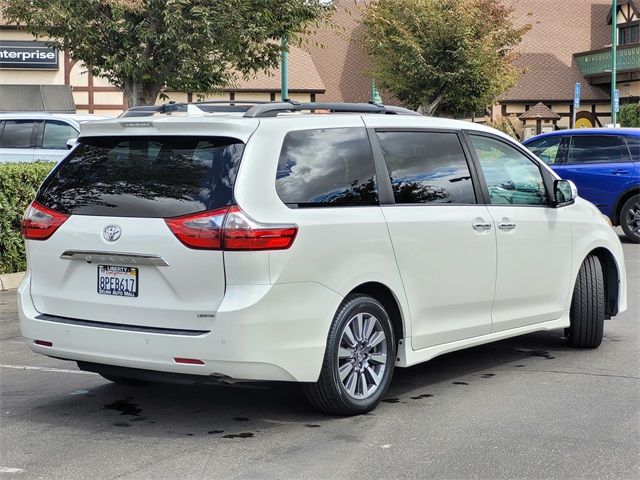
x=328, y=249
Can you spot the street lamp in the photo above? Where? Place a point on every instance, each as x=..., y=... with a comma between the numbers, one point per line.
x=284, y=70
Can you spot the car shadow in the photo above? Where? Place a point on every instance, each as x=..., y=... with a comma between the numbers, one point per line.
x=244, y=410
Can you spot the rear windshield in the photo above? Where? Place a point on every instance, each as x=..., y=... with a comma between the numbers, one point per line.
x=155, y=176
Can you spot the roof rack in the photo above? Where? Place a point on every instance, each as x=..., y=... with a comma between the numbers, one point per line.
x=259, y=109
x=272, y=109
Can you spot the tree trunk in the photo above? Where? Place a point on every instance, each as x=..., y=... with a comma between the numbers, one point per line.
x=139, y=94
x=429, y=108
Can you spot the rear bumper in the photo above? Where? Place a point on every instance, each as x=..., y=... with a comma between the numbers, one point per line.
x=261, y=332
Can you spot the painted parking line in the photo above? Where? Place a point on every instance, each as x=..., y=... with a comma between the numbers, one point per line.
x=46, y=369
x=10, y=470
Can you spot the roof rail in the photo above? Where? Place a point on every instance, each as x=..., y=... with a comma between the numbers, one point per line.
x=257, y=109
x=272, y=109
x=206, y=106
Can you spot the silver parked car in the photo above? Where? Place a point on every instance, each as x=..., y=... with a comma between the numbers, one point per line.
x=38, y=136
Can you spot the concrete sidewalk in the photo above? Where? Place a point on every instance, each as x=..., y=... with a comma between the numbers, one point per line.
x=10, y=281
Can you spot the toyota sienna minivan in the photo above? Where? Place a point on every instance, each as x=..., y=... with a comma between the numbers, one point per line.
x=280, y=244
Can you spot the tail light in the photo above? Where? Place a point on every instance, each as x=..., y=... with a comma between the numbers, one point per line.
x=40, y=222
x=230, y=228
x=202, y=230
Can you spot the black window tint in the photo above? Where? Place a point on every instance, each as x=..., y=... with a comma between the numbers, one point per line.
x=326, y=167
x=547, y=149
x=512, y=178
x=427, y=167
x=56, y=135
x=17, y=134
x=157, y=176
x=598, y=148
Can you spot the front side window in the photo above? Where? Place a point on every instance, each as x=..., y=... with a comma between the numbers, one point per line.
x=547, y=149
x=427, y=167
x=598, y=149
x=56, y=135
x=17, y=134
x=326, y=167
x=512, y=178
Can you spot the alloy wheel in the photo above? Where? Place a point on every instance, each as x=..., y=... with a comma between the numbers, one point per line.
x=633, y=218
x=362, y=355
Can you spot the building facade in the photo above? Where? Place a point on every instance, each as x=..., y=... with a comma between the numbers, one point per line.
x=569, y=43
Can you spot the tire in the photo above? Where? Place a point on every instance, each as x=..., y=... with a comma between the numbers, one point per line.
x=630, y=218
x=122, y=380
x=367, y=372
x=587, y=306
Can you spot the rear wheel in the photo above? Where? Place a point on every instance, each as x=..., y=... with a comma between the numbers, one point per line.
x=359, y=359
x=587, y=306
x=630, y=218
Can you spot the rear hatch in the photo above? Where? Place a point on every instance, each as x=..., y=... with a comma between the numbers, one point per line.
x=115, y=259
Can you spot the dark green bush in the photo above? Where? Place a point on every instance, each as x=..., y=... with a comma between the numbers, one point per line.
x=19, y=183
x=629, y=115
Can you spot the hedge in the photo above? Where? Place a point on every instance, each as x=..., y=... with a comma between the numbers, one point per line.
x=19, y=183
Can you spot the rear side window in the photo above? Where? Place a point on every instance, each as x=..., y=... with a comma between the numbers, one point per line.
x=17, y=134
x=156, y=176
x=328, y=167
x=598, y=149
x=427, y=167
x=56, y=135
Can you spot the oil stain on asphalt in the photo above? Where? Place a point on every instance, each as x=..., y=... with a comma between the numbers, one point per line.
x=424, y=395
x=239, y=435
x=125, y=407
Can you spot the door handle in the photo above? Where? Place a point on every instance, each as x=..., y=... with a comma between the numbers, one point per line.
x=621, y=171
x=481, y=226
x=506, y=226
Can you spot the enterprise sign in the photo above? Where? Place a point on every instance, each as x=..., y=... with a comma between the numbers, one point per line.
x=15, y=54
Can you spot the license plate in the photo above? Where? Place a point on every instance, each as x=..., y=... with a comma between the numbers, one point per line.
x=120, y=281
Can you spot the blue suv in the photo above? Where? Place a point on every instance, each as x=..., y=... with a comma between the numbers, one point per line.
x=604, y=163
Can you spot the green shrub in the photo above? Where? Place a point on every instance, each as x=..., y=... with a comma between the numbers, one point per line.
x=629, y=115
x=19, y=183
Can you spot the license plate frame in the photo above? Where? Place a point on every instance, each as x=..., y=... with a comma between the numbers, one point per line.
x=115, y=278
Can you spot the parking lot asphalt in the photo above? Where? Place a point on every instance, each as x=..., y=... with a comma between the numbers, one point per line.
x=527, y=407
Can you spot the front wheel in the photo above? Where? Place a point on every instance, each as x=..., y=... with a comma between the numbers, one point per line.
x=587, y=306
x=359, y=359
x=630, y=218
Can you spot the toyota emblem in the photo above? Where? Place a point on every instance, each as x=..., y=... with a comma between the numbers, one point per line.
x=111, y=233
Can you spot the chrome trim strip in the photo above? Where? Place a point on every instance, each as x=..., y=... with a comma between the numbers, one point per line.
x=93, y=256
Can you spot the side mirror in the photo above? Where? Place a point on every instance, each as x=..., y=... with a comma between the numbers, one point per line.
x=71, y=143
x=565, y=192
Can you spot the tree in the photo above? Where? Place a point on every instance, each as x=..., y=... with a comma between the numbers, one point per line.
x=454, y=56
x=629, y=115
x=143, y=46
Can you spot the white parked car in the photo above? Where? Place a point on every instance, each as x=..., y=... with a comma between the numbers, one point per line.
x=38, y=136
x=323, y=249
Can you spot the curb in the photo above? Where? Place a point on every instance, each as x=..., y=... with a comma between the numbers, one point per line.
x=10, y=281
